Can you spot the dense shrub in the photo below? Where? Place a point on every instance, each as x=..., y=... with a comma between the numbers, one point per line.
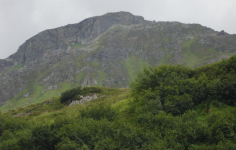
x=69, y=94
x=8, y=123
x=25, y=139
x=10, y=144
x=44, y=137
x=91, y=90
x=181, y=88
x=153, y=78
x=142, y=130
x=67, y=144
x=178, y=104
x=99, y=112
x=103, y=134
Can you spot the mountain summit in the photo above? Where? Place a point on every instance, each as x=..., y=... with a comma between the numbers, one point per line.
x=107, y=50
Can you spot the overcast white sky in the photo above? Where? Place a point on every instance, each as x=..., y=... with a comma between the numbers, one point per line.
x=22, y=19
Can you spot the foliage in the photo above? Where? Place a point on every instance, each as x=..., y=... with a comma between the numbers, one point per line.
x=99, y=112
x=69, y=94
x=44, y=137
x=169, y=107
x=181, y=88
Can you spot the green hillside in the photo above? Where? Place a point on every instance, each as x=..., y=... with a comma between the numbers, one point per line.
x=166, y=107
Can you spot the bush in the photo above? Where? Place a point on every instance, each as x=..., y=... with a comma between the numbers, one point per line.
x=177, y=105
x=173, y=84
x=152, y=78
x=222, y=127
x=70, y=94
x=10, y=144
x=181, y=88
x=13, y=124
x=7, y=135
x=44, y=137
x=99, y=112
x=91, y=90
x=25, y=139
x=67, y=144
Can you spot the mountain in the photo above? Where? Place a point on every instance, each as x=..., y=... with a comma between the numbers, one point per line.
x=107, y=50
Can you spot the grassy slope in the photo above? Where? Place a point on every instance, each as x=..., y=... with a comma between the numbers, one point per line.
x=35, y=90
x=133, y=66
x=36, y=97
x=118, y=98
x=196, y=54
x=43, y=113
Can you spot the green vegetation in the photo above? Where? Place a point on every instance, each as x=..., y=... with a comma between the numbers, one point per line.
x=77, y=45
x=19, y=66
x=165, y=60
x=101, y=76
x=133, y=66
x=93, y=64
x=79, y=64
x=36, y=92
x=80, y=76
x=37, y=96
x=196, y=53
x=167, y=107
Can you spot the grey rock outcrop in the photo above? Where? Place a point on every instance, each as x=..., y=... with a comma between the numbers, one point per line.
x=84, y=99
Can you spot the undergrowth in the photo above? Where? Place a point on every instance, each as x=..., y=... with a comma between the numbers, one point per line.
x=167, y=107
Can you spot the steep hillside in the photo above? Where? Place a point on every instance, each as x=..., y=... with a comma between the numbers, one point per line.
x=167, y=107
x=107, y=51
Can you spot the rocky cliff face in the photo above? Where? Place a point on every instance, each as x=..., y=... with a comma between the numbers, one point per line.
x=106, y=50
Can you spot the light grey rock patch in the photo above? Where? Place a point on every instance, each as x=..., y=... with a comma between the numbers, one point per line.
x=26, y=95
x=89, y=82
x=84, y=99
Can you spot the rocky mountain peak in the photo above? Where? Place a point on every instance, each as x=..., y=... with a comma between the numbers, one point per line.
x=107, y=50
x=124, y=18
x=43, y=44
